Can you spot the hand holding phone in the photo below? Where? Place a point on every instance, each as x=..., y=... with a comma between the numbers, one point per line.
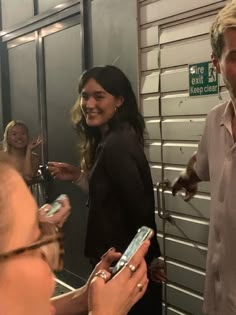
x=143, y=233
x=55, y=206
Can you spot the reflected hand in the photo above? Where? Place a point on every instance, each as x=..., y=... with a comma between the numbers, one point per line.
x=64, y=171
x=157, y=272
x=33, y=144
x=183, y=183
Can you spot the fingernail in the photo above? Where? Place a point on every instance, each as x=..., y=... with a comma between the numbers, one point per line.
x=45, y=208
x=109, y=250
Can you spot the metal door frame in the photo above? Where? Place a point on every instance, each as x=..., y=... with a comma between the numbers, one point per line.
x=72, y=9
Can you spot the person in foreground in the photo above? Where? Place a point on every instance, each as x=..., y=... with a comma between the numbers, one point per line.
x=121, y=197
x=28, y=250
x=215, y=161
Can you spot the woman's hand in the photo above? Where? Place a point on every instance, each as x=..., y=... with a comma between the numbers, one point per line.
x=33, y=144
x=107, y=259
x=156, y=271
x=76, y=302
x=118, y=295
x=64, y=171
x=59, y=217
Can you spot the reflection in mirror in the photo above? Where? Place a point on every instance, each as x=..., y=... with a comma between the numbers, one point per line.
x=18, y=149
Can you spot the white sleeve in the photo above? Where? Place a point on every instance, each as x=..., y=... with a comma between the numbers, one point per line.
x=201, y=166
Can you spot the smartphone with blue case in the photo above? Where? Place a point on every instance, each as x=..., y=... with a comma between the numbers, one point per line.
x=143, y=233
x=55, y=206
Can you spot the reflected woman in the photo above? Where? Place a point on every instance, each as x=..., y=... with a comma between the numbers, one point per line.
x=17, y=149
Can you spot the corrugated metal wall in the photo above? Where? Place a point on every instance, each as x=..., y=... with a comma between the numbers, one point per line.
x=172, y=36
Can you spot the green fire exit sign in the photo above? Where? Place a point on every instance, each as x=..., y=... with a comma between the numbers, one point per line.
x=203, y=79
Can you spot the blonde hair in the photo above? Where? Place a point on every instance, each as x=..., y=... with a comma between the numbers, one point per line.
x=225, y=19
x=10, y=125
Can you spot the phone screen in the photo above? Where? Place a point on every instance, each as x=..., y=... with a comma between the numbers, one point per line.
x=143, y=233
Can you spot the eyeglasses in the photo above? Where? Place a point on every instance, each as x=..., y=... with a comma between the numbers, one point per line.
x=51, y=245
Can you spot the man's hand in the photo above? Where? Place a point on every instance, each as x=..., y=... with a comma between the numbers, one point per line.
x=183, y=182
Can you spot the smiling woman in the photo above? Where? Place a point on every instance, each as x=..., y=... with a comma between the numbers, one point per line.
x=121, y=200
x=97, y=105
x=18, y=149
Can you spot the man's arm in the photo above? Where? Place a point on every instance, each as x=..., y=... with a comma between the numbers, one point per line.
x=187, y=180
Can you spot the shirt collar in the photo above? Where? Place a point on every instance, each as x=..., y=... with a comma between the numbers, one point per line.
x=227, y=115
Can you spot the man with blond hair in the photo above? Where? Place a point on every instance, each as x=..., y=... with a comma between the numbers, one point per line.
x=215, y=161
